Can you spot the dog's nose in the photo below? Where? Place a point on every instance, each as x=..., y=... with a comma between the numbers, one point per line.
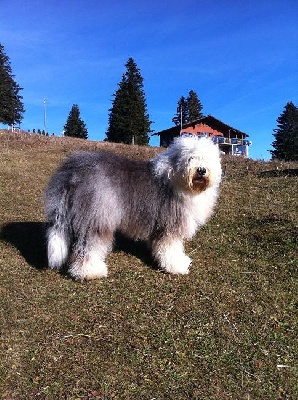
x=201, y=171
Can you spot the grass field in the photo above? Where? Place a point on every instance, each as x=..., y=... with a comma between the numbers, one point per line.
x=228, y=330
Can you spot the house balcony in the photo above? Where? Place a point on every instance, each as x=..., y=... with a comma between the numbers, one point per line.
x=232, y=146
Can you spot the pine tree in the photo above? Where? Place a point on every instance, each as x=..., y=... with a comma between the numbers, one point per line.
x=128, y=118
x=182, y=114
x=194, y=106
x=11, y=106
x=286, y=134
x=190, y=107
x=75, y=126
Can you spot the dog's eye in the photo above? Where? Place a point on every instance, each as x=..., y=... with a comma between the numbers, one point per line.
x=190, y=158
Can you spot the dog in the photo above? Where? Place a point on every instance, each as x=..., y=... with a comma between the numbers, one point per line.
x=164, y=201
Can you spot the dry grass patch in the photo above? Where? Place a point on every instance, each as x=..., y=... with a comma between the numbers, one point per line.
x=226, y=331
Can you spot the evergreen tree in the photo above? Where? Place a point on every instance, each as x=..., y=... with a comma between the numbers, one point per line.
x=11, y=106
x=286, y=134
x=190, y=107
x=75, y=126
x=182, y=114
x=128, y=118
x=194, y=106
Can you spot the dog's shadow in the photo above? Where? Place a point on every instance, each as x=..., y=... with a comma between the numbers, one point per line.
x=138, y=249
x=30, y=240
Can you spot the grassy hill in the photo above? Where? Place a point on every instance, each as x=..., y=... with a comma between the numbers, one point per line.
x=228, y=330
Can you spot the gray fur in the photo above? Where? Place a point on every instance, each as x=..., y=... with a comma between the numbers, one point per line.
x=93, y=194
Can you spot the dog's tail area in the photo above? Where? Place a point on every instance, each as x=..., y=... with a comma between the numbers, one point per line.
x=58, y=237
x=58, y=244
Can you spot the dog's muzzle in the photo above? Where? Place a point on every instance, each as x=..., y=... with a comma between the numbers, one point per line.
x=201, y=171
x=199, y=179
x=200, y=174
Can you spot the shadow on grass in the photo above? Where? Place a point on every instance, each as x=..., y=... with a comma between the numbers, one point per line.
x=279, y=172
x=30, y=239
x=138, y=249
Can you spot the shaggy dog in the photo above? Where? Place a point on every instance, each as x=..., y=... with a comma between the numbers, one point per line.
x=164, y=201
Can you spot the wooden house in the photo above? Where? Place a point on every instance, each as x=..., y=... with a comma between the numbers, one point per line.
x=230, y=140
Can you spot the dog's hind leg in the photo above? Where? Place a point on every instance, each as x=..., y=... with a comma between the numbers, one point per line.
x=88, y=260
x=169, y=253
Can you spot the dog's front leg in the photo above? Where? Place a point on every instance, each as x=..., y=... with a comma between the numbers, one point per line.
x=170, y=255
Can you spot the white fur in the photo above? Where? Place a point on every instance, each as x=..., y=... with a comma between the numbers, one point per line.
x=57, y=249
x=91, y=264
x=170, y=255
x=90, y=267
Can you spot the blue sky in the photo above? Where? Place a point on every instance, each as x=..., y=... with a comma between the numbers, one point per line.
x=241, y=57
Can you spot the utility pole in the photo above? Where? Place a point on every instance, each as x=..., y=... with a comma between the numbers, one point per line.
x=45, y=116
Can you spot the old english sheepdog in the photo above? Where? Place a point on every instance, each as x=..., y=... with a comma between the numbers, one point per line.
x=163, y=201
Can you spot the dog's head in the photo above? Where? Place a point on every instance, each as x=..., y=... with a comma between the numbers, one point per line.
x=192, y=164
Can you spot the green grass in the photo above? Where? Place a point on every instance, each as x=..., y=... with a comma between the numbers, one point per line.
x=228, y=330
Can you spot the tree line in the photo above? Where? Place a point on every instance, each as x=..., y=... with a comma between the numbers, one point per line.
x=128, y=120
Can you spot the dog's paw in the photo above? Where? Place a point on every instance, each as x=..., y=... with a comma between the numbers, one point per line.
x=180, y=265
x=90, y=268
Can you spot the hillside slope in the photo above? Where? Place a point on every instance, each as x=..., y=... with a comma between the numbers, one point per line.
x=228, y=330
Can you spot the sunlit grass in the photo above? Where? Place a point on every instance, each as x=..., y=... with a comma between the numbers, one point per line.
x=228, y=330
